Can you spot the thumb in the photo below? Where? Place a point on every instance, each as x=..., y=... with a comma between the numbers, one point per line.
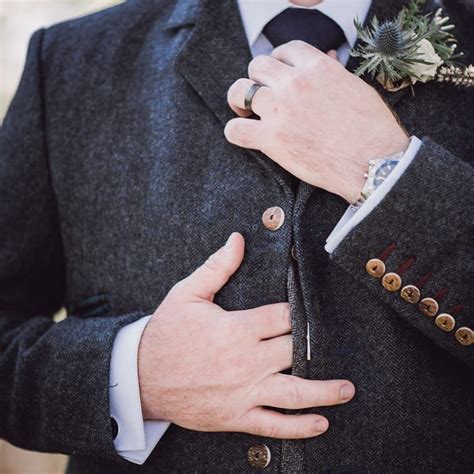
x=214, y=273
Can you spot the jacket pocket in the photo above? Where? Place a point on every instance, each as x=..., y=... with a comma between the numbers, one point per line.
x=91, y=306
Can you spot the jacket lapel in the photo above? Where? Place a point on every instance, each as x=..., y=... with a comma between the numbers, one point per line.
x=216, y=52
x=215, y=55
x=209, y=61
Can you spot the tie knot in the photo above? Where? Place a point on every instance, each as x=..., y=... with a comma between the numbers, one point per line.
x=307, y=25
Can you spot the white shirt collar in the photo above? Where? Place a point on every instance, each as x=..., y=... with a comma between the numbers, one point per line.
x=257, y=13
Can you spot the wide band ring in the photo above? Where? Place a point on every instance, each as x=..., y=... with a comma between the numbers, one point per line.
x=250, y=95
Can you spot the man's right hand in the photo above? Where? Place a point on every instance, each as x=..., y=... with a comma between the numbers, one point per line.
x=207, y=369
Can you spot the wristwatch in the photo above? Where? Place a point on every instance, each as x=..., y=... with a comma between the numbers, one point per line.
x=379, y=171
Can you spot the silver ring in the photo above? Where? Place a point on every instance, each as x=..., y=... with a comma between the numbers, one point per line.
x=250, y=95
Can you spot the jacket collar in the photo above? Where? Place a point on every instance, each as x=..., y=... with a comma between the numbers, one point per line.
x=219, y=42
x=216, y=53
x=184, y=13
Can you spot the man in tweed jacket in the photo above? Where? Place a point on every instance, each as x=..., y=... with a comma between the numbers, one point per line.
x=117, y=183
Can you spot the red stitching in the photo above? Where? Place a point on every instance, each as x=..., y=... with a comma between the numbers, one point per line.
x=457, y=309
x=424, y=279
x=406, y=265
x=441, y=294
x=388, y=251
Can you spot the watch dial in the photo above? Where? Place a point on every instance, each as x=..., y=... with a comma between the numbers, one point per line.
x=383, y=170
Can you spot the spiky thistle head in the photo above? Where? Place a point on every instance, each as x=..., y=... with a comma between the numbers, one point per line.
x=391, y=50
x=388, y=38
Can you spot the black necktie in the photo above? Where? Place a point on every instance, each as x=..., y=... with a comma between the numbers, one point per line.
x=311, y=26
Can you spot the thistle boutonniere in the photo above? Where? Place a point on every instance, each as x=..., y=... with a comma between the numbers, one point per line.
x=409, y=48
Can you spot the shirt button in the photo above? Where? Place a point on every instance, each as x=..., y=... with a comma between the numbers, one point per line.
x=273, y=218
x=410, y=293
x=428, y=306
x=392, y=281
x=464, y=336
x=375, y=267
x=445, y=322
x=259, y=456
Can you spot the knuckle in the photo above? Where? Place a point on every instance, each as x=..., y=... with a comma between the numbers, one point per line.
x=241, y=85
x=232, y=131
x=237, y=132
x=317, y=62
x=257, y=424
x=236, y=90
x=255, y=428
x=212, y=262
x=271, y=430
x=297, y=44
x=259, y=427
x=302, y=81
x=283, y=48
x=284, y=314
x=294, y=393
x=322, y=65
x=256, y=63
x=231, y=93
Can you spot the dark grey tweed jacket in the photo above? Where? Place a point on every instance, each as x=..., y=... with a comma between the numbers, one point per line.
x=116, y=181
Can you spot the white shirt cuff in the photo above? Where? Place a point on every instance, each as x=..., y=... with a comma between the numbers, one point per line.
x=136, y=438
x=353, y=216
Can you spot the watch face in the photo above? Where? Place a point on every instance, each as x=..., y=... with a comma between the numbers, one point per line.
x=382, y=171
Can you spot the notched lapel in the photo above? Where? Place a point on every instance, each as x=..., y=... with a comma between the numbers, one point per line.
x=184, y=14
x=215, y=54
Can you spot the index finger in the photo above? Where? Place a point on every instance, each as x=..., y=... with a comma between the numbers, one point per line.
x=268, y=321
x=296, y=53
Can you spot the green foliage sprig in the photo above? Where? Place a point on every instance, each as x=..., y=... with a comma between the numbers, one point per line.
x=392, y=49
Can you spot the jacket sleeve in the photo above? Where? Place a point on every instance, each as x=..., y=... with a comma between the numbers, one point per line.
x=415, y=249
x=54, y=377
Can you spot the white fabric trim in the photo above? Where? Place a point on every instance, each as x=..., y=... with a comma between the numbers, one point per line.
x=136, y=438
x=353, y=217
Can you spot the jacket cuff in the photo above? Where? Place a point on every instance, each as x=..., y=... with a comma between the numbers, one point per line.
x=354, y=216
x=422, y=232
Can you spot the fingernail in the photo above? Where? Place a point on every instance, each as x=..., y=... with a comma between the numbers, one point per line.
x=320, y=425
x=347, y=391
x=230, y=241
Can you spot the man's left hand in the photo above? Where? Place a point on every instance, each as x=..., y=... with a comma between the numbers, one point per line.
x=317, y=120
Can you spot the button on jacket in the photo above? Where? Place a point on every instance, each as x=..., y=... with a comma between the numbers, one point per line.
x=116, y=181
